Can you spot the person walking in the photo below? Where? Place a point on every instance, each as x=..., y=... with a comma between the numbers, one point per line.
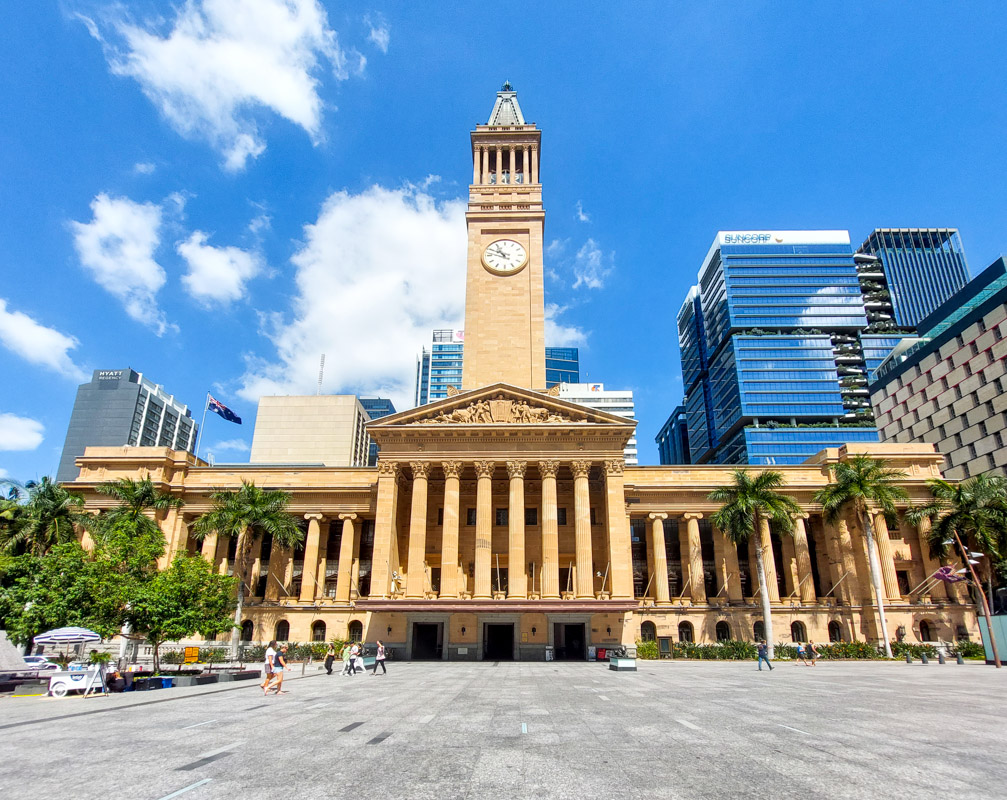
x=279, y=664
x=379, y=660
x=354, y=655
x=267, y=669
x=800, y=655
x=813, y=653
x=347, y=661
x=330, y=656
x=764, y=655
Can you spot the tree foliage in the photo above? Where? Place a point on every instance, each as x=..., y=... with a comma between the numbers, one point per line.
x=975, y=509
x=50, y=516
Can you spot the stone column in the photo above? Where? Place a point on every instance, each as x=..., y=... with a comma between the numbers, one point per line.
x=730, y=569
x=658, y=548
x=416, y=571
x=475, y=164
x=550, y=531
x=807, y=590
x=930, y=564
x=484, y=176
x=534, y=164
x=768, y=560
x=851, y=584
x=256, y=571
x=790, y=579
x=278, y=558
x=582, y=529
x=885, y=556
x=449, y=531
x=499, y=153
x=484, y=530
x=309, y=591
x=517, y=576
x=620, y=547
x=209, y=548
x=385, y=538
x=697, y=586
x=345, y=568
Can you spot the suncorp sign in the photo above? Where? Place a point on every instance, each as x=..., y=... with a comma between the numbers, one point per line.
x=783, y=237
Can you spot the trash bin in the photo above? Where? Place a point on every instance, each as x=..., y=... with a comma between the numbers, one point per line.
x=167, y=683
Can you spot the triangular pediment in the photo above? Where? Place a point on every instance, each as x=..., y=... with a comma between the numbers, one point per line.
x=500, y=404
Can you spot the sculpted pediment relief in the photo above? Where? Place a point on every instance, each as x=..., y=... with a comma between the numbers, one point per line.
x=502, y=410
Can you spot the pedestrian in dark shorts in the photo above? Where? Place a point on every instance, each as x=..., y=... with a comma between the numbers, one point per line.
x=330, y=656
x=813, y=653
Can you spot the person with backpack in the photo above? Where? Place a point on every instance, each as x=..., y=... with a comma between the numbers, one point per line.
x=764, y=655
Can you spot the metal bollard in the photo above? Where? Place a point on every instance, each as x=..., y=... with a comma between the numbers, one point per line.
x=940, y=657
x=923, y=659
x=959, y=659
x=909, y=659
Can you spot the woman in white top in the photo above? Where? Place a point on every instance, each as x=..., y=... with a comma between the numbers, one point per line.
x=379, y=660
x=267, y=670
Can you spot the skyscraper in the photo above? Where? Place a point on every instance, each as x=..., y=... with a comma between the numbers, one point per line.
x=594, y=395
x=920, y=268
x=122, y=407
x=376, y=408
x=673, y=439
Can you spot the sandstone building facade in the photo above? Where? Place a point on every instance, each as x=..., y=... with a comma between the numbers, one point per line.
x=503, y=522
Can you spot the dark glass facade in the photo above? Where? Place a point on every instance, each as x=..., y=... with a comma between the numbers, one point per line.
x=562, y=365
x=376, y=407
x=923, y=267
x=673, y=439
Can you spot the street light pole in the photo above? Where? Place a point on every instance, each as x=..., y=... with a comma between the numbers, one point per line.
x=982, y=596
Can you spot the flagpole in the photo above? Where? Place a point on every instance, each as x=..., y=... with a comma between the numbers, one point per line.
x=199, y=436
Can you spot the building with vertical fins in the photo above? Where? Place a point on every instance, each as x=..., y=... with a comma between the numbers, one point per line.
x=503, y=520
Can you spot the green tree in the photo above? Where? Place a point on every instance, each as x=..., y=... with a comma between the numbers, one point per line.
x=864, y=484
x=128, y=534
x=246, y=514
x=744, y=506
x=972, y=514
x=50, y=517
x=63, y=587
x=186, y=598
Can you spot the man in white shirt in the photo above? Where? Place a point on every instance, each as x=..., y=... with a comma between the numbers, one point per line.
x=267, y=670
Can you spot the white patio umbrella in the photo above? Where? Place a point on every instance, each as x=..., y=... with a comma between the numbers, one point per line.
x=73, y=635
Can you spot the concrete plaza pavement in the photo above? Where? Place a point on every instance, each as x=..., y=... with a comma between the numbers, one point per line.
x=529, y=730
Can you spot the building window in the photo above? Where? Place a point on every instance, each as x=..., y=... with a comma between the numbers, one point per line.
x=972, y=451
x=723, y=632
x=247, y=630
x=798, y=632
x=925, y=635
x=501, y=516
x=318, y=631
x=356, y=631
x=999, y=439
x=685, y=632
x=531, y=516
x=648, y=631
x=759, y=630
x=835, y=632
x=470, y=516
x=561, y=516
x=975, y=348
x=282, y=632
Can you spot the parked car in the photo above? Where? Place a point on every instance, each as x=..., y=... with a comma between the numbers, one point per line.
x=40, y=663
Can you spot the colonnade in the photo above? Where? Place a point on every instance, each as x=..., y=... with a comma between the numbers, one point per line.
x=481, y=173
x=392, y=475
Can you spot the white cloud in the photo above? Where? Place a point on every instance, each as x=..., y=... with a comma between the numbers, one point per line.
x=144, y=168
x=216, y=274
x=4, y=474
x=118, y=247
x=37, y=344
x=20, y=433
x=581, y=216
x=377, y=272
x=224, y=60
x=232, y=445
x=379, y=32
x=557, y=335
x=591, y=266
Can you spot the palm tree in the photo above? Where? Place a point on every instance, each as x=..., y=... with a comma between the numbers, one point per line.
x=744, y=506
x=246, y=514
x=973, y=514
x=864, y=484
x=136, y=500
x=50, y=516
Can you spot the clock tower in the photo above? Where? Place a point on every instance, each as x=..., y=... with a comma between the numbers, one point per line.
x=504, y=294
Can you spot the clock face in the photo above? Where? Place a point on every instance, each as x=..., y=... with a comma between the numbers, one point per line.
x=505, y=256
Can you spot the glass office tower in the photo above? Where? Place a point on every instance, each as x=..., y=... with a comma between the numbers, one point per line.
x=376, y=408
x=562, y=365
x=772, y=360
x=920, y=268
x=673, y=439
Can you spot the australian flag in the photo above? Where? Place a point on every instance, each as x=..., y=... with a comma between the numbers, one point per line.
x=219, y=408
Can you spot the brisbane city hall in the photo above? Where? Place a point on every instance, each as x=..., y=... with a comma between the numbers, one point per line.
x=503, y=523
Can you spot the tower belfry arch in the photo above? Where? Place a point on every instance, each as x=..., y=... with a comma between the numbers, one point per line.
x=504, y=291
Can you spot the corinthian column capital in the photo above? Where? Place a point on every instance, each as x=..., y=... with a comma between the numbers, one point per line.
x=517, y=469
x=421, y=469
x=388, y=468
x=484, y=469
x=452, y=469
x=580, y=468
x=548, y=468
x=615, y=466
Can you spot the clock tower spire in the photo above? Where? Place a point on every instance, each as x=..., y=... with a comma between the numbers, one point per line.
x=504, y=292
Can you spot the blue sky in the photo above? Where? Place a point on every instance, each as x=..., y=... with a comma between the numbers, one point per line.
x=216, y=192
